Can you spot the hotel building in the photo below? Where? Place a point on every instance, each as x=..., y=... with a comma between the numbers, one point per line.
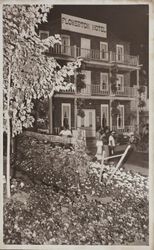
x=101, y=52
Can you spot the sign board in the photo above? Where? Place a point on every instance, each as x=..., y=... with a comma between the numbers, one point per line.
x=84, y=26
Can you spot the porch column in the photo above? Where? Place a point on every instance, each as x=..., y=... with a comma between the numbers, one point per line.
x=110, y=113
x=75, y=101
x=137, y=109
x=50, y=116
x=110, y=93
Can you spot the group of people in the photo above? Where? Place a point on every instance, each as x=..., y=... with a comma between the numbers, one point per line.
x=105, y=141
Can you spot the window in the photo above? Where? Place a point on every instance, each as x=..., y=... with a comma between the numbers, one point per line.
x=87, y=80
x=66, y=115
x=85, y=47
x=104, y=81
x=82, y=121
x=65, y=45
x=103, y=50
x=104, y=115
x=119, y=53
x=120, y=82
x=90, y=119
x=120, y=117
x=43, y=34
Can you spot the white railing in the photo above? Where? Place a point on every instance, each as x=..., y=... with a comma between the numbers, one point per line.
x=123, y=59
x=64, y=50
x=93, y=54
x=127, y=91
x=95, y=89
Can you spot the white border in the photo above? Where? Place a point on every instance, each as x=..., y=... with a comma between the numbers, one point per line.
x=151, y=120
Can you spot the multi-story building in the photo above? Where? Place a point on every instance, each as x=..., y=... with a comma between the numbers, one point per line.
x=100, y=50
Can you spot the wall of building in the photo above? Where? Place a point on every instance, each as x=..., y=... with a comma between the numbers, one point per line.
x=54, y=27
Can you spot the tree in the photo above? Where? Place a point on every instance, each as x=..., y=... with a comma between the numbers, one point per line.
x=28, y=72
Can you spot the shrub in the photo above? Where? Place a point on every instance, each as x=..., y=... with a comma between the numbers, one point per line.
x=61, y=167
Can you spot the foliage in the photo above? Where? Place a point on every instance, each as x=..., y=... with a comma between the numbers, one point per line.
x=80, y=106
x=80, y=83
x=113, y=78
x=31, y=74
x=141, y=103
x=141, y=89
x=63, y=168
x=141, y=98
x=41, y=113
x=143, y=77
x=99, y=214
x=115, y=110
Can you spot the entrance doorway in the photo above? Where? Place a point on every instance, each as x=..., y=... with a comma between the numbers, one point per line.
x=88, y=122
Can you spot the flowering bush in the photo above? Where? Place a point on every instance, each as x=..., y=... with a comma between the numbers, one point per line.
x=52, y=165
x=97, y=214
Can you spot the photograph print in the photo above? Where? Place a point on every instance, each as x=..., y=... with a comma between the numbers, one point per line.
x=75, y=124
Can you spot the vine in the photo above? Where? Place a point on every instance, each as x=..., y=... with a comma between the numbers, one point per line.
x=141, y=103
x=115, y=110
x=113, y=78
x=80, y=83
x=80, y=106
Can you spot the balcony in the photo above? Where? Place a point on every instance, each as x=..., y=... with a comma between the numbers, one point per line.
x=94, y=55
x=95, y=90
x=123, y=59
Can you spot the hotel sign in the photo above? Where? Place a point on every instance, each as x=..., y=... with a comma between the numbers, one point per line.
x=84, y=26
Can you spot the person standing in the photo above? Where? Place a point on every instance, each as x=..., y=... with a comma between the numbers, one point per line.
x=111, y=143
x=99, y=144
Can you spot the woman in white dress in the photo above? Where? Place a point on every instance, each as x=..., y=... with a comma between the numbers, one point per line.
x=99, y=144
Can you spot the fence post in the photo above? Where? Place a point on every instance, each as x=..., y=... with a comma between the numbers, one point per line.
x=119, y=163
x=102, y=166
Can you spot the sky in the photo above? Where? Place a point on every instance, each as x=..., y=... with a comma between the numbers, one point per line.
x=128, y=22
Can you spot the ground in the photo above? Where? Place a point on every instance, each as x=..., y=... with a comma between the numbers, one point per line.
x=86, y=212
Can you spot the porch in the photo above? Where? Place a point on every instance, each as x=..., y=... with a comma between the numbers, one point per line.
x=126, y=129
x=94, y=55
x=96, y=90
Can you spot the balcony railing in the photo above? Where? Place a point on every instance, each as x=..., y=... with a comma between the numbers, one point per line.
x=96, y=55
x=127, y=91
x=123, y=59
x=95, y=89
